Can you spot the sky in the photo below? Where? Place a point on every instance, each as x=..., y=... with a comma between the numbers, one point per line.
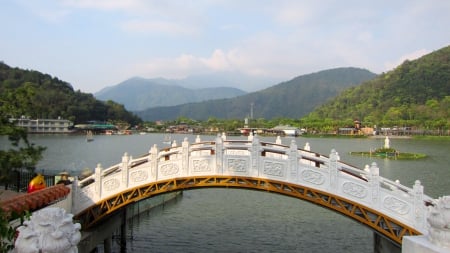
x=92, y=44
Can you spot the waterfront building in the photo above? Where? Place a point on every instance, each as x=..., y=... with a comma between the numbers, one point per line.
x=53, y=126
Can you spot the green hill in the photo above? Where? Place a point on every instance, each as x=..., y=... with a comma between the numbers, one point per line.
x=292, y=99
x=416, y=93
x=37, y=95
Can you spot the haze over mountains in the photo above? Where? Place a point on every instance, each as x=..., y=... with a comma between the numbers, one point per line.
x=293, y=99
x=139, y=93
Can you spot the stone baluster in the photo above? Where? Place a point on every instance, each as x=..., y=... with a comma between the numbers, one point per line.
x=293, y=161
x=153, y=163
x=219, y=156
x=124, y=168
x=98, y=182
x=419, y=206
x=224, y=136
x=197, y=139
x=333, y=169
x=185, y=157
x=374, y=181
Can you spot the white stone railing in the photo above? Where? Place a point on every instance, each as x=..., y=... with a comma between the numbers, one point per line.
x=252, y=158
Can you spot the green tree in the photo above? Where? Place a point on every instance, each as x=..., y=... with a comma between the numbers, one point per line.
x=21, y=153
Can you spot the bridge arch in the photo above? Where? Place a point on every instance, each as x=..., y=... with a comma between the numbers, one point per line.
x=390, y=209
x=379, y=222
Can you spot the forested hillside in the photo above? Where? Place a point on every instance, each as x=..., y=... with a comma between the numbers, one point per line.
x=37, y=95
x=140, y=93
x=291, y=99
x=416, y=93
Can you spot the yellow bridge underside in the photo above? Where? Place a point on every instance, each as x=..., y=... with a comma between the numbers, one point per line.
x=379, y=222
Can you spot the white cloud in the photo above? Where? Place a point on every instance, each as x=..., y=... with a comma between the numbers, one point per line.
x=107, y=5
x=154, y=26
x=410, y=56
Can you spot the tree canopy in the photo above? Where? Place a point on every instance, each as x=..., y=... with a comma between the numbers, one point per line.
x=416, y=93
x=31, y=93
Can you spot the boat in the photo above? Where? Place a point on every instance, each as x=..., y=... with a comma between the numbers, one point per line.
x=89, y=136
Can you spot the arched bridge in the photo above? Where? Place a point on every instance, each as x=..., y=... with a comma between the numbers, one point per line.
x=385, y=206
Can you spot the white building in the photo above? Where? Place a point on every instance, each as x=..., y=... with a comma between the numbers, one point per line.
x=289, y=130
x=44, y=125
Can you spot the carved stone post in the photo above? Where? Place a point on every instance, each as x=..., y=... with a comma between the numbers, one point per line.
x=374, y=179
x=332, y=166
x=124, y=169
x=49, y=230
x=293, y=161
x=154, y=163
x=98, y=182
x=255, y=157
x=419, y=207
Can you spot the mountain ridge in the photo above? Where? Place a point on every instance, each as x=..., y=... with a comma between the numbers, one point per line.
x=294, y=98
x=139, y=93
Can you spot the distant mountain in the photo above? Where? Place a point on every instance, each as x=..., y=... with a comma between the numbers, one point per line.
x=293, y=99
x=139, y=93
x=414, y=93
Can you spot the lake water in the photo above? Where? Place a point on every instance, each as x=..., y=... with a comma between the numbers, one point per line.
x=233, y=220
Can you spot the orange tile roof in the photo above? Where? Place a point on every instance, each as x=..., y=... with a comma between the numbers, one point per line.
x=35, y=200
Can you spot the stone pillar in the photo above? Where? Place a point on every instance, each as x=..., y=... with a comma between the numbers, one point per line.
x=332, y=167
x=374, y=181
x=255, y=158
x=153, y=163
x=293, y=161
x=98, y=182
x=124, y=169
x=49, y=230
x=419, y=207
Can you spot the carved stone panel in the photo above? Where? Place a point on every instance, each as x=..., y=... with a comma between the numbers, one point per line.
x=237, y=165
x=111, y=184
x=354, y=190
x=138, y=176
x=200, y=165
x=275, y=169
x=396, y=205
x=313, y=177
x=169, y=169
